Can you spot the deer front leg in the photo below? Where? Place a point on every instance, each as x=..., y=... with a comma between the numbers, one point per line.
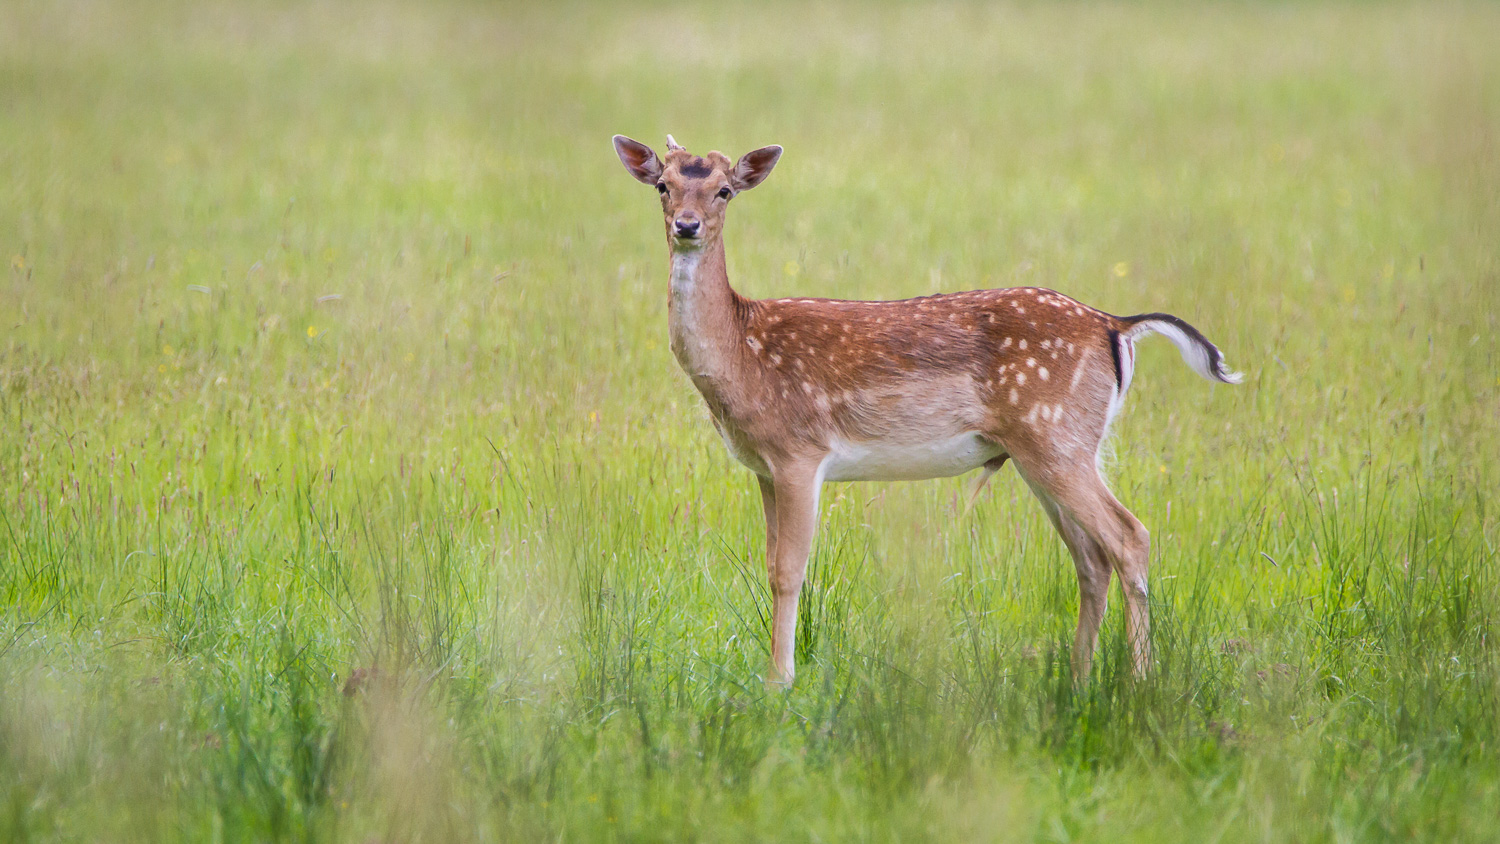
x=768, y=506
x=795, y=497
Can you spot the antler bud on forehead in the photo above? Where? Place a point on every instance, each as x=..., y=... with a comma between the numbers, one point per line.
x=677, y=159
x=697, y=167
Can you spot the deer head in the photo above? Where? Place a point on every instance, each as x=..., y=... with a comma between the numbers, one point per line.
x=695, y=191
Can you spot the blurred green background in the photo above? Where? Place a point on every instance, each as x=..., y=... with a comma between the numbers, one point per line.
x=349, y=491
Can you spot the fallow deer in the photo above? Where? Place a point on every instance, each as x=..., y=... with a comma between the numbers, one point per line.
x=805, y=391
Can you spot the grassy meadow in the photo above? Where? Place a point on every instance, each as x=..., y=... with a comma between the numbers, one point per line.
x=349, y=491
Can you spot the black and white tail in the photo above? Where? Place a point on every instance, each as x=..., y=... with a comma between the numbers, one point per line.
x=1202, y=356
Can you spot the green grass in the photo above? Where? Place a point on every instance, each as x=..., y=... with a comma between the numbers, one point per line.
x=349, y=492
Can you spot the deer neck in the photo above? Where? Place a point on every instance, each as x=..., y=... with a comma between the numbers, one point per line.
x=703, y=312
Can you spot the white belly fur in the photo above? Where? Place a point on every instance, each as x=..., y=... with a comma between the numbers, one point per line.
x=879, y=460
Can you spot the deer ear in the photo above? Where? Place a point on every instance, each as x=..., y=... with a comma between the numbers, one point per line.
x=638, y=159
x=755, y=166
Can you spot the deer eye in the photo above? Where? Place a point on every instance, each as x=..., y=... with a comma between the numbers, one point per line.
x=661, y=188
x=724, y=192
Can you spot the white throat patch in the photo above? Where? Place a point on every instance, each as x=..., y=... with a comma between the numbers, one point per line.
x=685, y=272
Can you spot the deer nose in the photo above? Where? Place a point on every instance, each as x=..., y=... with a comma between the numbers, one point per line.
x=687, y=228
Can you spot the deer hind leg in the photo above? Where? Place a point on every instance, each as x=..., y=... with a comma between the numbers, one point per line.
x=1093, y=569
x=1109, y=532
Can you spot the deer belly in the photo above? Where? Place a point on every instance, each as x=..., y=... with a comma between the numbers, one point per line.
x=883, y=460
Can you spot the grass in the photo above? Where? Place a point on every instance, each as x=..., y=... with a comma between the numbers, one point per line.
x=349, y=492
